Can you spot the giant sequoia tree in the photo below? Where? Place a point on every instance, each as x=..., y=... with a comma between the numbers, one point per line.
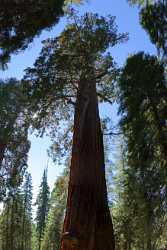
x=71, y=69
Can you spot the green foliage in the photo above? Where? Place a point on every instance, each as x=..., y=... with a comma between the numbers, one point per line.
x=23, y=19
x=27, y=213
x=42, y=203
x=14, y=144
x=139, y=211
x=11, y=223
x=143, y=105
x=77, y=54
x=52, y=235
x=15, y=227
x=141, y=208
x=154, y=20
x=140, y=2
x=34, y=240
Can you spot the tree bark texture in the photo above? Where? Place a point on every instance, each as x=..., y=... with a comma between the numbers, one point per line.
x=87, y=224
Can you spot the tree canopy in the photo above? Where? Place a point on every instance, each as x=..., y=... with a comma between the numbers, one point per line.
x=154, y=21
x=22, y=20
x=59, y=95
x=143, y=106
x=42, y=203
x=14, y=144
x=52, y=84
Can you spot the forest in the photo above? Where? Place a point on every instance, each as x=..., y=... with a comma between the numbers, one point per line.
x=111, y=192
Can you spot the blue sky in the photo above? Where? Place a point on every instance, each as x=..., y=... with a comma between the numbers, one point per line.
x=127, y=20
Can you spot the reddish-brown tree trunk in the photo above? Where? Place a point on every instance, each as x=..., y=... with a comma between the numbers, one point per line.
x=87, y=224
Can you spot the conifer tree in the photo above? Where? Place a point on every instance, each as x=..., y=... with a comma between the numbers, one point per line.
x=52, y=235
x=14, y=144
x=11, y=227
x=153, y=18
x=143, y=105
x=15, y=228
x=42, y=203
x=69, y=70
x=27, y=213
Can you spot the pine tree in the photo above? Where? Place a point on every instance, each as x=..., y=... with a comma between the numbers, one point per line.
x=15, y=225
x=27, y=213
x=52, y=235
x=42, y=203
x=11, y=227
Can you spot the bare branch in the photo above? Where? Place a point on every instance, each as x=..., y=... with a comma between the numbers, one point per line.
x=113, y=134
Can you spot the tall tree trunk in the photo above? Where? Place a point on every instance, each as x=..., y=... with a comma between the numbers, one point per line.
x=11, y=246
x=87, y=224
x=2, y=150
x=149, y=228
x=23, y=225
x=161, y=127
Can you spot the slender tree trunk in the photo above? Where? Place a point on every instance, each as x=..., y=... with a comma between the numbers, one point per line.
x=12, y=247
x=161, y=126
x=23, y=226
x=125, y=245
x=2, y=150
x=87, y=224
x=149, y=229
x=6, y=232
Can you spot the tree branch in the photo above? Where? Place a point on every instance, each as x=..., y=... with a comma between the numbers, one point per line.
x=102, y=74
x=114, y=134
x=104, y=98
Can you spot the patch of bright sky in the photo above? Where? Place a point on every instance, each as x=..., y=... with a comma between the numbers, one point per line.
x=128, y=21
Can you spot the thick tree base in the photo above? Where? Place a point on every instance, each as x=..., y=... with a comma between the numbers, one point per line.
x=90, y=225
